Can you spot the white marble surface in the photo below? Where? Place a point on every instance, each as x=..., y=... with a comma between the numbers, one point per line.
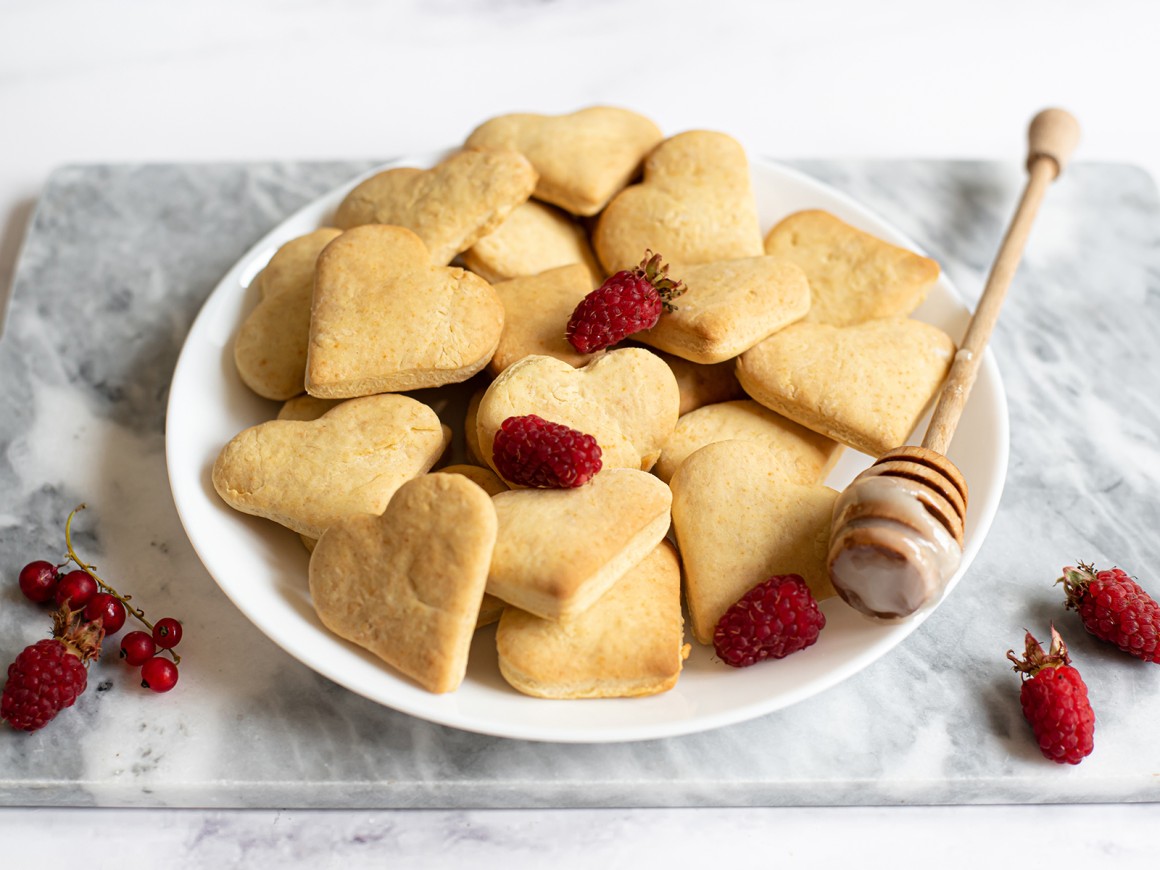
x=144, y=81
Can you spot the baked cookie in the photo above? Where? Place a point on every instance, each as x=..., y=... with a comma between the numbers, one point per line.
x=701, y=384
x=407, y=585
x=583, y=158
x=270, y=349
x=628, y=644
x=489, y=482
x=385, y=320
x=306, y=407
x=728, y=307
x=534, y=238
x=293, y=263
x=626, y=399
x=803, y=455
x=536, y=310
x=559, y=550
x=695, y=205
x=865, y=386
x=739, y=520
x=484, y=478
x=854, y=276
x=450, y=207
x=471, y=429
x=308, y=475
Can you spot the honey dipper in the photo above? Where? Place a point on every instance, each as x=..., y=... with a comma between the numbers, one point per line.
x=897, y=532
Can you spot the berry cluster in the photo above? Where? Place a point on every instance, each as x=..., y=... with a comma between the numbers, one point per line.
x=1055, y=702
x=532, y=451
x=1112, y=607
x=629, y=302
x=775, y=618
x=49, y=675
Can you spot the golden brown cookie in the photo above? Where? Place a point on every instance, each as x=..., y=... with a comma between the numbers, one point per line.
x=450, y=207
x=308, y=475
x=407, y=585
x=306, y=407
x=865, y=386
x=701, y=384
x=536, y=312
x=534, y=238
x=489, y=482
x=854, y=276
x=293, y=263
x=559, y=550
x=728, y=307
x=738, y=521
x=471, y=429
x=583, y=158
x=804, y=456
x=270, y=349
x=629, y=644
x=695, y=205
x=385, y=320
x=626, y=399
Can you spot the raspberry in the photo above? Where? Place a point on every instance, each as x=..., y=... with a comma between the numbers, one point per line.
x=1055, y=701
x=49, y=675
x=777, y=617
x=1115, y=609
x=532, y=451
x=628, y=302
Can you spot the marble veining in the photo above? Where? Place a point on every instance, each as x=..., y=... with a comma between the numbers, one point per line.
x=115, y=266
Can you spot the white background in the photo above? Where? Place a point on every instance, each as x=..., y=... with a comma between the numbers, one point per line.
x=128, y=80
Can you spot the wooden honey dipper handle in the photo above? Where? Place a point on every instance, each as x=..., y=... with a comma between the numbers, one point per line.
x=1052, y=137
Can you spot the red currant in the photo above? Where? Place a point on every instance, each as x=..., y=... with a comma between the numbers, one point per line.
x=159, y=674
x=108, y=609
x=137, y=647
x=77, y=588
x=167, y=632
x=38, y=581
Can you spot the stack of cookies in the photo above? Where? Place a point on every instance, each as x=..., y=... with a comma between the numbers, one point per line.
x=717, y=425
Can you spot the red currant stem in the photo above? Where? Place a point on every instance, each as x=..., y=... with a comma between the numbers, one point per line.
x=136, y=612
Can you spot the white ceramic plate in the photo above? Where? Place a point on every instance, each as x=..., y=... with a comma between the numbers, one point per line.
x=262, y=567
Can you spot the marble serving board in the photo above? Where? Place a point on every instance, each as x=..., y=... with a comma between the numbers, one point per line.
x=114, y=268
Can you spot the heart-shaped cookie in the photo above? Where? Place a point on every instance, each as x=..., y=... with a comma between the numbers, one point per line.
x=583, y=158
x=804, y=456
x=270, y=350
x=534, y=238
x=407, y=585
x=308, y=475
x=865, y=386
x=628, y=644
x=695, y=205
x=450, y=207
x=385, y=320
x=854, y=276
x=728, y=307
x=489, y=482
x=534, y=309
x=738, y=521
x=626, y=399
x=559, y=550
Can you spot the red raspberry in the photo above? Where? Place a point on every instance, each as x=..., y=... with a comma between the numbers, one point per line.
x=50, y=674
x=1055, y=701
x=1114, y=608
x=777, y=617
x=627, y=302
x=532, y=451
